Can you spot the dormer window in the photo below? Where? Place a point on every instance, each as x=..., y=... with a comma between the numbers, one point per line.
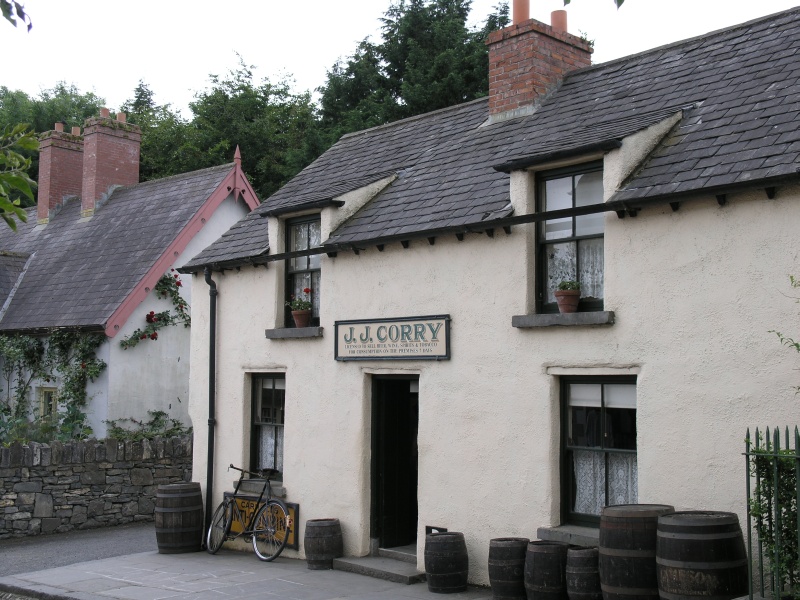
x=303, y=272
x=570, y=248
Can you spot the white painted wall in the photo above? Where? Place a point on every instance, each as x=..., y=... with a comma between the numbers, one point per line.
x=154, y=375
x=695, y=294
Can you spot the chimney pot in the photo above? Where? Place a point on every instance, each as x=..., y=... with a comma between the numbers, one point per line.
x=558, y=20
x=59, y=126
x=104, y=112
x=76, y=131
x=521, y=11
x=121, y=116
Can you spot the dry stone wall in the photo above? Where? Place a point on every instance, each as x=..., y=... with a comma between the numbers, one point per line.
x=52, y=488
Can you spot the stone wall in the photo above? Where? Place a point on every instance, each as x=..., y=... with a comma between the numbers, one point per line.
x=57, y=487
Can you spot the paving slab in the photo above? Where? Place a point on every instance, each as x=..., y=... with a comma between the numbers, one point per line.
x=201, y=576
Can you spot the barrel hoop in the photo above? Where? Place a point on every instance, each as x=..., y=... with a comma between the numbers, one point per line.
x=182, y=509
x=627, y=553
x=628, y=591
x=184, y=495
x=700, y=536
x=178, y=529
x=694, y=566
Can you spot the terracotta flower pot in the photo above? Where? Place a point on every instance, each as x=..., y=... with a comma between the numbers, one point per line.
x=301, y=317
x=567, y=300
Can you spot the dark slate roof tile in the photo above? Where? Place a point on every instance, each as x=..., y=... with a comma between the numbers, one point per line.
x=736, y=90
x=84, y=268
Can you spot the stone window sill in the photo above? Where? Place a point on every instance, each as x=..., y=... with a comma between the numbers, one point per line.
x=578, y=319
x=293, y=333
x=571, y=534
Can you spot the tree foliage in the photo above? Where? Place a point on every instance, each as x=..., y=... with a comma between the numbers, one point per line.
x=428, y=58
x=14, y=178
x=14, y=12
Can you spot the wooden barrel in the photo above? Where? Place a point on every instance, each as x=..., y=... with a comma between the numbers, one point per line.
x=323, y=542
x=507, y=567
x=179, y=518
x=446, y=562
x=628, y=551
x=583, y=573
x=546, y=571
x=701, y=554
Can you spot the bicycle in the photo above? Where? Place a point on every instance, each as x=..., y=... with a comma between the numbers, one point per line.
x=268, y=526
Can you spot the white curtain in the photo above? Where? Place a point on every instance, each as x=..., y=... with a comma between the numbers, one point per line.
x=590, y=480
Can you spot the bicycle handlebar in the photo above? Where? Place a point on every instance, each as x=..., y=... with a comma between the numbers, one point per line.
x=267, y=473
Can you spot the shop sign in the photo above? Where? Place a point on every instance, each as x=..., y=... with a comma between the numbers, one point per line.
x=404, y=338
x=248, y=506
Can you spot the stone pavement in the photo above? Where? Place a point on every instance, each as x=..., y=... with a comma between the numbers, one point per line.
x=201, y=576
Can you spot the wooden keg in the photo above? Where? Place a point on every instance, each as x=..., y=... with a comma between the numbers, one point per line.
x=322, y=543
x=627, y=553
x=446, y=562
x=179, y=518
x=507, y=567
x=701, y=554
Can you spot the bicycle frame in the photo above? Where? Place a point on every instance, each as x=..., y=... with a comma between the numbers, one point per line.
x=236, y=512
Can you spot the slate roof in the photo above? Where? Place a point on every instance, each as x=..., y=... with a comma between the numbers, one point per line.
x=82, y=269
x=737, y=90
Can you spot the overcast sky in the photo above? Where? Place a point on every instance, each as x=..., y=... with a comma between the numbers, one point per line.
x=107, y=46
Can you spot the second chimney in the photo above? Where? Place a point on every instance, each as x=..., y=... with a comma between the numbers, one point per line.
x=529, y=59
x=60, y=170
x=110, y=157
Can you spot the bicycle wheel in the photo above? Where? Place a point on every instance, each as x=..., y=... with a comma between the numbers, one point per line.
x=219, y=528
x=271, y=530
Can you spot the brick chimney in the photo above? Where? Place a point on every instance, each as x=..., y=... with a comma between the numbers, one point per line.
x=60, y=170
x=529, y=59
x=110, y=157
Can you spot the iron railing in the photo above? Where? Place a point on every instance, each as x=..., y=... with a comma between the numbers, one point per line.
x=773, y=495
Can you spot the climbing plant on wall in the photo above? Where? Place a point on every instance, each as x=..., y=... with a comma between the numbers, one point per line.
x=167, y=288
x=67, y=359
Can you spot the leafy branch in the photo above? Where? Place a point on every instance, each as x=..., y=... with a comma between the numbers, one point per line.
x=14, y=179
x=166, y=288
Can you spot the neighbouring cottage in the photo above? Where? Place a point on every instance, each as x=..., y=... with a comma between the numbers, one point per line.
x=437, y=384
x=91, y=255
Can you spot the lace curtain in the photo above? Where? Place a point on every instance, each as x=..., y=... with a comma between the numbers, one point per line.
x=590, y=480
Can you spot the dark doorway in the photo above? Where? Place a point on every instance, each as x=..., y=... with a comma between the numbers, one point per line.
x=395, y=415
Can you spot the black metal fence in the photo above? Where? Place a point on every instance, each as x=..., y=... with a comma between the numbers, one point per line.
x=773, y=495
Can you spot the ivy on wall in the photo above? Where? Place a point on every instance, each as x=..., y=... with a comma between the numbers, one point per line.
x=63, y=355
x=166, y=288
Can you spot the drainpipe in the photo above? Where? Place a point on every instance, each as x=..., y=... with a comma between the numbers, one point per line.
x=212, y=390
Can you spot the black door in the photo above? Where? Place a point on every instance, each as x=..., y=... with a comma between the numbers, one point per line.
x=395, y=414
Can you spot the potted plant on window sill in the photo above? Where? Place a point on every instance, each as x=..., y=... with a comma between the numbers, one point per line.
x=301, y=308
x=568, y=295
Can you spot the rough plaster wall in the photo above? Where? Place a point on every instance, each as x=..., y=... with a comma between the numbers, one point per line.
x=695, y=294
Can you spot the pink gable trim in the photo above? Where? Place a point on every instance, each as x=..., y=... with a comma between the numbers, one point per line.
x=235, y=183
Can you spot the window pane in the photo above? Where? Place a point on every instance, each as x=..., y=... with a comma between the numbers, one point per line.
x=268, y=429
x=589, y=479
x=313, y=242
x=619, y=395
x=315, y=276
x=623, y=479
x=591, y=268
x=585, y=427
x=558, y=196
x=584, y=394
x=560, y=266
x=620, y=429
x=300, y=281
x=298, y=241
x=589, y=190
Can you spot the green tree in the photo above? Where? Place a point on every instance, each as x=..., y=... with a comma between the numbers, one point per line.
x=428, y=58
x=268, y=121
x=13, y=11
x=14, y=178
